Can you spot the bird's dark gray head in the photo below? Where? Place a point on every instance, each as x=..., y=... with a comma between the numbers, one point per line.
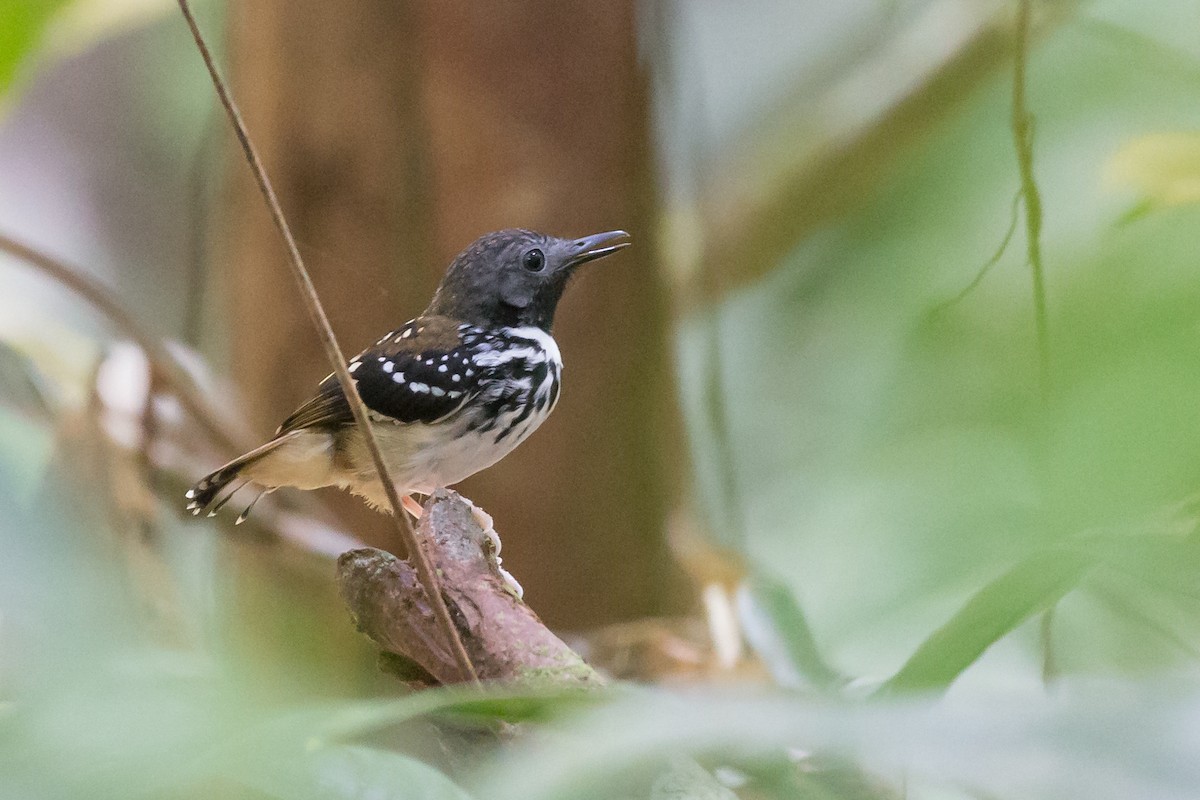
x=516, y=277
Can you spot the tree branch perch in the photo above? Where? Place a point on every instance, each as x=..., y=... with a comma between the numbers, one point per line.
x=504, y=637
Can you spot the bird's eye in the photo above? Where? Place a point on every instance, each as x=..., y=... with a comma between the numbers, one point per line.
x=534, y=260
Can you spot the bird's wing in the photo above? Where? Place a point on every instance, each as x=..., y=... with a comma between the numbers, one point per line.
x=421, y=372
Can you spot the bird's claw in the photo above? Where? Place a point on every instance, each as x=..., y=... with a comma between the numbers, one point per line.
x=511, y=584
x=485, y=522
x=492, y=550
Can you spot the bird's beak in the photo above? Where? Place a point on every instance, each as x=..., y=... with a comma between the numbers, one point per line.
x=599, y=245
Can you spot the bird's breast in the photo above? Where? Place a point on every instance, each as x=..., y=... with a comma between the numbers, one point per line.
x=520, y=373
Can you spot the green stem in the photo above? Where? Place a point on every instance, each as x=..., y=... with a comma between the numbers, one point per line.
x=1022, y=126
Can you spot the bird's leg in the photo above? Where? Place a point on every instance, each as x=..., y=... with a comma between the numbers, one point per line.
x=411, y=505
x=492, y=549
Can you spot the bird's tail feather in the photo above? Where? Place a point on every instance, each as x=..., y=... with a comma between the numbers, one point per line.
x=206, y=494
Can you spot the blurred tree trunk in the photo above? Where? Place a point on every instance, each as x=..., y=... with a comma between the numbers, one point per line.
x=397, y=133
x=329, y=92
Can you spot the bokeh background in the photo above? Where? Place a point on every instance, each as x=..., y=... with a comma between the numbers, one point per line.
x=817, y=484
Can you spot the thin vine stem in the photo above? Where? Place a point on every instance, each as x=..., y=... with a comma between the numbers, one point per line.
x=993, y=260
x=163, y=362
x=1022, y=129
x=429, y=578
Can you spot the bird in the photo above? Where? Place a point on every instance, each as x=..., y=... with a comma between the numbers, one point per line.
x=448, y=393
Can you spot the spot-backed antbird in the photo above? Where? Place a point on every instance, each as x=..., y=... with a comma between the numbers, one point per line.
x=448, y=393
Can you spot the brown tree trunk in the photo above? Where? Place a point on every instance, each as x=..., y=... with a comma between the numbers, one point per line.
x=397, y=133
x=330, y=95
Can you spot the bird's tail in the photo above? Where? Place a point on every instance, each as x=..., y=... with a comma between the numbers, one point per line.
x=206, y=495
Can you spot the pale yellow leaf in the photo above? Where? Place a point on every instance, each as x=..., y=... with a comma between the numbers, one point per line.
x=1163, y=167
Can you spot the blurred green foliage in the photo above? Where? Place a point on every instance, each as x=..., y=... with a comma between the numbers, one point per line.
x=21, y=26
x=893, y=454
x=908, y=500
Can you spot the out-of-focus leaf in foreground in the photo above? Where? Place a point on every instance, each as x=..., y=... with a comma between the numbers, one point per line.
x=94, y=706
x=510, y=704
x=22, y=23
x=778, y=629
x=995, y=610
x=349, y=772
x=83, y=22
x=1164, y=168
x=1104, y=742
x=59, y=28
x=894, y=453
x=26, y=436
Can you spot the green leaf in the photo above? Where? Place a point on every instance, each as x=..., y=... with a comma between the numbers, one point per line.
x=535, y=706
x=779, y=632
x=22, y=386
x=26, y=435
x=304, y=753
x=509, y=705
x=1031, y=586
x=21, y=25
x=684, y=779
x=1097, y=739
x=25, y=452
x=1162, y=167
x=347, y=772
x=1163, y=564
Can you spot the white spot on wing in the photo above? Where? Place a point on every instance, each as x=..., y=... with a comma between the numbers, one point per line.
x=417, y=386
x=398, y=377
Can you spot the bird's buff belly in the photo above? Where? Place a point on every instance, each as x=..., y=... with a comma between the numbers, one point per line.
x=422, y=457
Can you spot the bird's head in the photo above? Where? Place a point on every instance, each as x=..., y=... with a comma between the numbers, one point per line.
x=516, y=277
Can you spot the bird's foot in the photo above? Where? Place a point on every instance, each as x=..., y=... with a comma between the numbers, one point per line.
x=492, y=549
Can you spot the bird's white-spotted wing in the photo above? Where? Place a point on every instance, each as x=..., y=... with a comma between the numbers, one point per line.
x=422, y=372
